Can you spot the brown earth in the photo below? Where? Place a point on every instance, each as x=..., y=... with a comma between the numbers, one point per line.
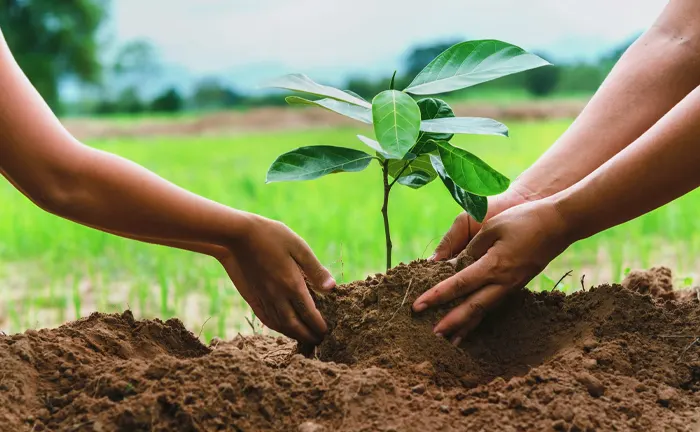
x=255, y=120
x=609, y=358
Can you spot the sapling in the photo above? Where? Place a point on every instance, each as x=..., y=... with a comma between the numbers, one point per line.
x=412, y=137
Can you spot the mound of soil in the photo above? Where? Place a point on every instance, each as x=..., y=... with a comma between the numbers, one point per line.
x=610, y=358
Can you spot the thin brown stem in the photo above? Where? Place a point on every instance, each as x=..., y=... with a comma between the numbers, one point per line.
x=385, y=212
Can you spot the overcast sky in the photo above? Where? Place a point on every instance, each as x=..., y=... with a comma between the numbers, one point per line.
x=211, y=36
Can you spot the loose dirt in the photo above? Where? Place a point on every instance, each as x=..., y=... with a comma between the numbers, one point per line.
x=610, y=358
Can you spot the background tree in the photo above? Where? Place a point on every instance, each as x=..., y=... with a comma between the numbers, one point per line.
x=170, y=101
x=421, y=55
x=125, y=79
x=54, y=40
x=542, y=81
x=211, y=94
x=129, y=101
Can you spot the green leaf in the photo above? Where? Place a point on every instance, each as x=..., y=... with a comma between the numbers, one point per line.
x=374, y=145
x=475, y=205
x=393, y=79
x=416, y=179
x=304, y=84
x=469, y=172
x=419, y=172
x=352, y=93
x=470, y=63
x=464, y=125
x=396, y=119
x=431, y=109
x=308, y=163
x=343, y=108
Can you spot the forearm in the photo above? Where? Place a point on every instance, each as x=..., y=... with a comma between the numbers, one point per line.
x=93, y=187
x=657, y=72
x=659, y=167
x=107, y=192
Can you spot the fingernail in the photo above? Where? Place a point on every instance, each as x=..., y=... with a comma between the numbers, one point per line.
x=329, y=284
x=456, y=341
x=432, y=258
x=420, y=307
x=439, y=335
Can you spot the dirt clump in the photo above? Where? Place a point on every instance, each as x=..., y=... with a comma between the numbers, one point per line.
x=610, y=358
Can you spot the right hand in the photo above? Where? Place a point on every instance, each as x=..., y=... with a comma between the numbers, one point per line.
x=267, y=265
x=465, y=227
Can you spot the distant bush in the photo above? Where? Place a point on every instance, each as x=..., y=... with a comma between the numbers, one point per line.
x=543, y=81
x=169, y=101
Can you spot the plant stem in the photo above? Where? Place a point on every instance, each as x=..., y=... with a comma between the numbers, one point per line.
x=385, y=212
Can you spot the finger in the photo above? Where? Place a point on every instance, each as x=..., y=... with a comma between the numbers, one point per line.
x=465, y=317
x=318, y=275
x=463, y=283
x=259, y=310
x=305, y=308
x=481, y=243
x=292, y=326
x=455, y=240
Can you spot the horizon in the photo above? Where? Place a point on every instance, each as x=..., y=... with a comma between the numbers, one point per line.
x=567, y=31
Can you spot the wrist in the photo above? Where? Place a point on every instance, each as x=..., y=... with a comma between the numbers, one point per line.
x=237, y=227
x=572, y=215
x=516, y=194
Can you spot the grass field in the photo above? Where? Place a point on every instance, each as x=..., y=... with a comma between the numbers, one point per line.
x=52, y=270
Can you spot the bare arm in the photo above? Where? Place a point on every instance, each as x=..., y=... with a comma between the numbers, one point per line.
x=516, y=245
x=110, y=193
x=656, y=72
x=659, y=167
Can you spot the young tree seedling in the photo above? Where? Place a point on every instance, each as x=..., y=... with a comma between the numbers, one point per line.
x=412, y=137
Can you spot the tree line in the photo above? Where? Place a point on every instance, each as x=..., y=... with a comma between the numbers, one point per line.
x=57, y=43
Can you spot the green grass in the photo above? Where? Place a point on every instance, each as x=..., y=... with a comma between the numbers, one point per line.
x=52, y=270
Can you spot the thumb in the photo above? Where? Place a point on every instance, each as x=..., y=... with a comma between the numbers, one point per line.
x=456, y=239
x=481, y=243
x=319, y=276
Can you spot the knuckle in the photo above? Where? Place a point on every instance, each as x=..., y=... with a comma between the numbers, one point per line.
x=477, y=310
x=459, y=287
x=461, y=219
x=319, y=272
x=300, y=307
x=289, y=283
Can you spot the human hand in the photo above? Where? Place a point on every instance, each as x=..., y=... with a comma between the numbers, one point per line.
x=265, y=264
x=510, y=250
x=465, y=227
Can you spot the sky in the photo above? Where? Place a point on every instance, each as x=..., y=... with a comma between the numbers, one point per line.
x=252, y=40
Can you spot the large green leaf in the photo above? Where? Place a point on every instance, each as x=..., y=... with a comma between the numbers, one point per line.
x=396, y=119
x=470, y=63
x=431, y=109
x=304, y=84
x=352, y=93
x=464, y=125
x=475, y=205
x=469, y=172
x=417, y=174
x=348, y=110
x=308, y=163
x=374, y=145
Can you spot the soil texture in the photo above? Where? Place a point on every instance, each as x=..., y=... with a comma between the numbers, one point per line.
x=623, y=357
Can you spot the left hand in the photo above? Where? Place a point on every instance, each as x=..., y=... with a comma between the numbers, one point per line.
x=511, y=249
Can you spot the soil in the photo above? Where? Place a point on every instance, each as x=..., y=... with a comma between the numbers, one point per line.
x=620, y=357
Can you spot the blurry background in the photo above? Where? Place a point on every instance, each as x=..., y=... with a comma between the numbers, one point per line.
x=173, y=86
